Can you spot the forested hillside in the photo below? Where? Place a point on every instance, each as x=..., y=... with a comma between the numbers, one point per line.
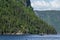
x=17, y=16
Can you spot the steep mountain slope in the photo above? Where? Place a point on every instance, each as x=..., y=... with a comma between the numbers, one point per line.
x=52, y=17
x=17, y=16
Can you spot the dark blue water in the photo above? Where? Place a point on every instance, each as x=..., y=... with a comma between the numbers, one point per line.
x=29, y=37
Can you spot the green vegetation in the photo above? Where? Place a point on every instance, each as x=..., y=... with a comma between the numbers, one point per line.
x=16, y=17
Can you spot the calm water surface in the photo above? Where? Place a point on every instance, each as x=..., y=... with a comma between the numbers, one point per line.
x=29, y=37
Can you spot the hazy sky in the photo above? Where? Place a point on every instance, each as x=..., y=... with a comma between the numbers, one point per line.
x=45, y=4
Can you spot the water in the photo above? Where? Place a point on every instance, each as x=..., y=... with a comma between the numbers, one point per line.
x=29, y=37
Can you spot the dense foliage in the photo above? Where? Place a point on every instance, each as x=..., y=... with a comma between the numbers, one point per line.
x=16, y=17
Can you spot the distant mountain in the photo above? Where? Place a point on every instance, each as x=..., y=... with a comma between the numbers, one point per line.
x=52, y=17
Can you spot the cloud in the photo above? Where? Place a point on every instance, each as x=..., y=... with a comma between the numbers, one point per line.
x=55, y=4
x=46, y=5
x=40, y=3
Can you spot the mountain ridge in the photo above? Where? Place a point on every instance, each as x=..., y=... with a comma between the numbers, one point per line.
x=51, y=17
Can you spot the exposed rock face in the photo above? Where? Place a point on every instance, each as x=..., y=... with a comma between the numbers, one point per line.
x=25, y=2
x=28, y=2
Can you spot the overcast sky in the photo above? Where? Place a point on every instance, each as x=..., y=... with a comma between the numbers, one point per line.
x=45, y=4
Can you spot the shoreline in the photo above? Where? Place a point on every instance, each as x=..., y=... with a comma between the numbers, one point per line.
x=12, y=34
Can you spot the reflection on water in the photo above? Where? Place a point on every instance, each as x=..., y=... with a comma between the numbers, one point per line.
x=29, y=37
